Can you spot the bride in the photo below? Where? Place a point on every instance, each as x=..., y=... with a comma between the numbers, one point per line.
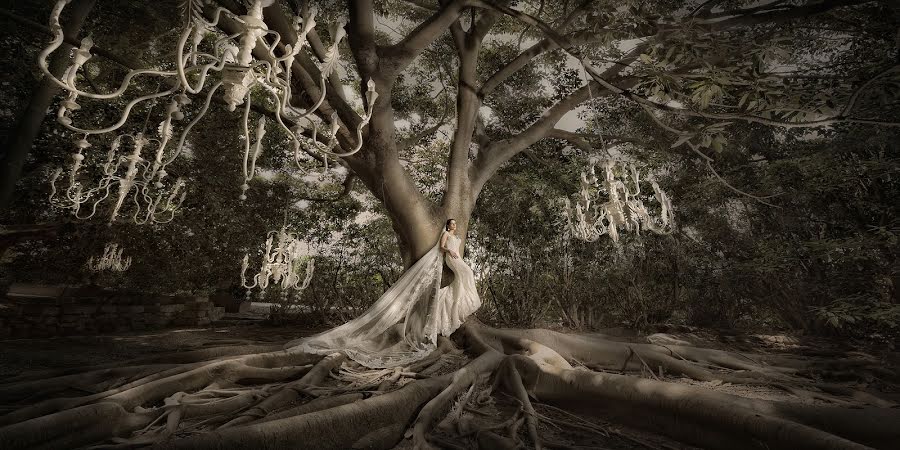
x=403, y=325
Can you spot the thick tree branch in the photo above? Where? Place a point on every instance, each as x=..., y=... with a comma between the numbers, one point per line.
x=458, y=194
x=361, y=37
x=572, y=138
x=491, y=158
x=839, y=118
x=404, y=52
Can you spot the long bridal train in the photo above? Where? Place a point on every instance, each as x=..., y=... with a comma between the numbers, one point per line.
x=403, y=325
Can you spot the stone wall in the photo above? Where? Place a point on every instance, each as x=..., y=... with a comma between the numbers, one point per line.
x=39, y=311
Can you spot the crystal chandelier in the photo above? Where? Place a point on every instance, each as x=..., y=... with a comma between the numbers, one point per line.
x=154, y=201
x=282, y=264
x=591, y=217
x=111, y=260
x=234, y=65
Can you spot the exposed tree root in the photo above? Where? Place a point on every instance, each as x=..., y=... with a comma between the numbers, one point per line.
x=290, y=392
x=705, y=417
x=461, y=380
x=513, y=381
x=228, y=398
x=185, y=357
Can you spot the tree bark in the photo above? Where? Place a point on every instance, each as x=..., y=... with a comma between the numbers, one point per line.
x=22, y=136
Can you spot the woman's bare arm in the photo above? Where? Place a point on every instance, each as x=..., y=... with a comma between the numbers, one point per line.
x=444, y=238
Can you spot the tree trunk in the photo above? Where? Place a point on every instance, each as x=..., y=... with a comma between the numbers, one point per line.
x=417, y=237
x=22, y=136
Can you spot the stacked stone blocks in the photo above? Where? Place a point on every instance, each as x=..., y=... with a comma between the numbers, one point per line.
x=38, y=311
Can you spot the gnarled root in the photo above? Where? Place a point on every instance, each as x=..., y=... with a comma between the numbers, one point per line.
x=438, y=407
x=290, y=392
x=28, y=426
x=704, y=417
x=361, y=424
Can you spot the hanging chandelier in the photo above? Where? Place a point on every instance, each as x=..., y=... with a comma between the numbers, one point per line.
x=234, y=65
x=282, y=263
x=623, y=209
x=111, y=260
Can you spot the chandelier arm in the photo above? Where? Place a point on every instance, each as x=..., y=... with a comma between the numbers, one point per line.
x=77, y=206
x=141, y=190
x=105, y=183
x=57, y=41
x=188, y=128
x=137, y=209
x=278, y=114
x=205, y=68
x=180, y=62
x=249, y=286
x=323, y=85
x=122, y=119
x=76, y=187
x=223, y=40
x=165, y=221
x=359, y=142
x=53, y=177
x=217, y=14
x=276, y=41
x=297, y=143
x=42, y=63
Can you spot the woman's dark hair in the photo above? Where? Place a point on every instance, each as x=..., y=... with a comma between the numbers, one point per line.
x=447, y=225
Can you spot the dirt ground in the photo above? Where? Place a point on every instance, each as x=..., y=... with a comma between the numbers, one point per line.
x=563, y=428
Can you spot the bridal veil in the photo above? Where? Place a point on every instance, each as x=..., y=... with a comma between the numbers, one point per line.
x=403, y=325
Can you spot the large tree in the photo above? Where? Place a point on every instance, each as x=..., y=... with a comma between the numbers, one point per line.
x=507, y=73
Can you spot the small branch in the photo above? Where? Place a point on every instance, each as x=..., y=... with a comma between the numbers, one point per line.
x=423, y=5
x=569, y=135
x=708, y=160
x=414, y=139
x=490, y=159
x=524, y=58
x=727, y=184
x=758, y=15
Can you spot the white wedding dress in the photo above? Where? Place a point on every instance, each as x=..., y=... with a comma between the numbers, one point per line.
x=403, y=325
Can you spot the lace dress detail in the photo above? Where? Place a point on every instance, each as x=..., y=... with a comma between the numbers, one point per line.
x=403, y=325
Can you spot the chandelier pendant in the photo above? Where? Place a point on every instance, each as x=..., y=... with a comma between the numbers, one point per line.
x=111, y=260
x=623, y=209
